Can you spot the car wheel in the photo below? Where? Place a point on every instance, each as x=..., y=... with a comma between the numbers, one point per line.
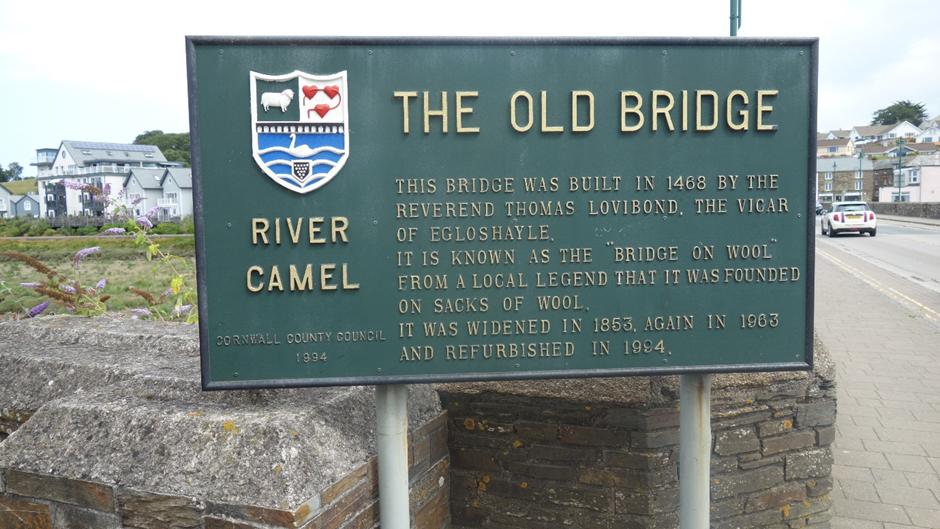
x=873, y=232
x=832, y=232
x=822, y=228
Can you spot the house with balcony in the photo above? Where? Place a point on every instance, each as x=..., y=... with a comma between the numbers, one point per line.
x=142, y=186
x=885, y=133
x=94, y=163
x=177, y=201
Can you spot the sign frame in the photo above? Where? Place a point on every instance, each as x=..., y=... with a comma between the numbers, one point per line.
x=804, y=358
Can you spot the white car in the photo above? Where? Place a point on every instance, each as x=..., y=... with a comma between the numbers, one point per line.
x=849, y=217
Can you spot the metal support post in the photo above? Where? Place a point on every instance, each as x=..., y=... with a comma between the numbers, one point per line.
x=391, y=421
x=695, y=442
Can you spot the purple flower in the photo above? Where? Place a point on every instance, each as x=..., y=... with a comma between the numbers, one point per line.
x=73, y=185
x=82, y=254
x=107, y=190
x=167, y=292
x=67, y=288
x=144, y=223
x=134, y=317
x=114, y=231
x=37, y=310
x=182, y=309
x=152, y=211
x=101, y=284
x=30, y=285
x=138, y=200
x=121, y=193
x=142, y=312
x=70, y=309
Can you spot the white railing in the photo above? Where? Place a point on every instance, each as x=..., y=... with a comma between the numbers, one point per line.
x=81, y=171
x=165, y=202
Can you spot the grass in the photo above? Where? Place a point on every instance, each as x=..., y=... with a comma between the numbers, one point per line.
x=119, y=262
x=22, y=187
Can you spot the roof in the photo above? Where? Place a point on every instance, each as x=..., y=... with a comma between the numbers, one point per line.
x=146, y=177
x=922, y=147
x=925, y=124
x=182, y=175
x=884, y=163
x=842, y=163
x=876, y=148
x=86, y=153
x=841, y=133
x=833, y=143
x=922, y=160
x=874, y=130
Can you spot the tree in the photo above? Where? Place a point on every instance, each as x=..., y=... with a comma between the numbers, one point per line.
x=898, y=112
x=174, y=146
x=11, y=173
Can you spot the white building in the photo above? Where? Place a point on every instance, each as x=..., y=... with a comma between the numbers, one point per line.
x=139, y=168
x=920, y=181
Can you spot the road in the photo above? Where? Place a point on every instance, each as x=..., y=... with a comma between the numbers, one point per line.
x=878, y=312
x=902, y=263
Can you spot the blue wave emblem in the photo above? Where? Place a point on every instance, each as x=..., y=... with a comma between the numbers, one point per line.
x=279, y=150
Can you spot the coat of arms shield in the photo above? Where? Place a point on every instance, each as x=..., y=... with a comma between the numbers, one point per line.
x=299, y=127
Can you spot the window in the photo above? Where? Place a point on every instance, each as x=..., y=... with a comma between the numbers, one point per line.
x=858, y=174
x=905, y=197
x=915, y=177
x=828, y=186
x=27, y=205
x=828, y=176
x=928, y=139
x=833, y=149
x=858, y=186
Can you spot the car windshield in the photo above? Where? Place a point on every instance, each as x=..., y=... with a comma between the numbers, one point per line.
x=852, y=207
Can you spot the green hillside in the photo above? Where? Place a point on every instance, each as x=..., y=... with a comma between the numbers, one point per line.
x=21, y=187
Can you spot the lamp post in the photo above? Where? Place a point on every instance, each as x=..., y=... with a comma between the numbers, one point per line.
x=835, y=182
x=861, y=157
x=898, y=179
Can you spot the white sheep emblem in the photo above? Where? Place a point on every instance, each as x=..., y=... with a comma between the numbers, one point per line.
x=277, y=99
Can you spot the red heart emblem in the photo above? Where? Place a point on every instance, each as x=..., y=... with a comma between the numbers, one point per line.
x=310, y=91
x=322, y=109
x=331, y=91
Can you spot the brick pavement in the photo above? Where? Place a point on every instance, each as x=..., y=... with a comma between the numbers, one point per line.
x=887, y=449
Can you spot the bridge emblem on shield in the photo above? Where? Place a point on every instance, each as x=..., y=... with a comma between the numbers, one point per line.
x=299, y=127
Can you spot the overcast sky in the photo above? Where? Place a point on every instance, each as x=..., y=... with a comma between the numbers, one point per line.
x=107, y=71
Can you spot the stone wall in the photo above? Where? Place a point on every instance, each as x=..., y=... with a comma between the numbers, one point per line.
x=603, y=453
x=120, y=434
x=923, y=210
x=112, y=430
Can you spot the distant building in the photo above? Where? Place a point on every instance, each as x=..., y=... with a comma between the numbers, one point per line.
x=5, y=195
x=139, y=169
x=844, y=179
x=919, y=181
x=836, y=147
x=24, y=205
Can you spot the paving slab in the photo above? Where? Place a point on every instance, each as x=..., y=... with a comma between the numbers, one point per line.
x=887, y=450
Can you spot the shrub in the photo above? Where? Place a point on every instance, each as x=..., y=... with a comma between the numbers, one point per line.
x=167, y=228
x=86, y=230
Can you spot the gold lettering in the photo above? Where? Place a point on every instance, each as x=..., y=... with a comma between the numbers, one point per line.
x=574, y=110
x=461, y=110
x=442, y=113
x=258, y=270
x=256, y=231
x=404, y=101
x=512, y=111
x=699, y=95
x=761, y=109
x=743, y=113
x=662, y=110
x=624, y=110
x=545, y=126
x=296, y=283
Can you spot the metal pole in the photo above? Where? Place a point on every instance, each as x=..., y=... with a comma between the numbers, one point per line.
x=695, y=442
x=735, y=17
x=391, y=421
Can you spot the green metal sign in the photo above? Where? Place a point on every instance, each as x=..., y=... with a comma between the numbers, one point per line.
x=388, y=211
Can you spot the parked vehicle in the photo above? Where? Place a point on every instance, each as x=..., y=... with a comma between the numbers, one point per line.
x=819, y=208
x=849, y=217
